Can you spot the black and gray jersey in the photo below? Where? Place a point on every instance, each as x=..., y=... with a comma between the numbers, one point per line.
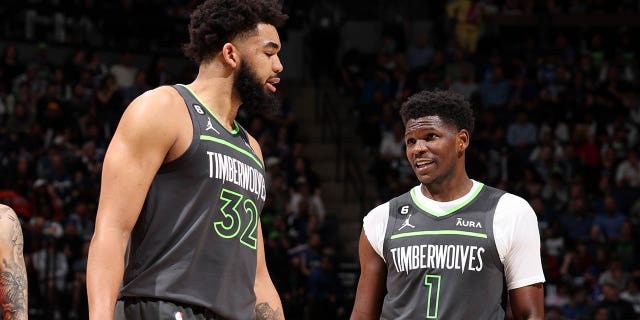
x=195, y=241
x=443, y=266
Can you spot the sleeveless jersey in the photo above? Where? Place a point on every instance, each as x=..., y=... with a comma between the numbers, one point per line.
x=443, y=267
x=196, y=238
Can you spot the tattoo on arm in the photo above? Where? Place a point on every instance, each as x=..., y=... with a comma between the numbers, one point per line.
x=13, y=275
x=265, y=312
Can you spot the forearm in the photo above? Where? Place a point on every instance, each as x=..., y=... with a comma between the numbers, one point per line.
x=268, y=304
x=105, y=267
x=13, y=292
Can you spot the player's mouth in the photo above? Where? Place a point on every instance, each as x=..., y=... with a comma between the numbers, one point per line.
x=423, y=163
x=271, y=83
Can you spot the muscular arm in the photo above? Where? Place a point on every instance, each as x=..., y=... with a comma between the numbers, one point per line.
x=268, y=304
x=370, y=292
x=13, y=274
x=141, y=143
x=527, y=302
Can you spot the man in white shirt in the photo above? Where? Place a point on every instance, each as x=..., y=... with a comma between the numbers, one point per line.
x=451, y=247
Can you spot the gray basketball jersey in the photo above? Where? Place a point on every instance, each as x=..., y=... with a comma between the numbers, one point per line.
x=443, y=267
x=196, y=238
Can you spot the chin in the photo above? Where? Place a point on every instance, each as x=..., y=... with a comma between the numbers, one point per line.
x=426, y=180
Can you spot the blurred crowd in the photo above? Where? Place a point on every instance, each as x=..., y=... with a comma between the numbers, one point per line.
x=557, y=114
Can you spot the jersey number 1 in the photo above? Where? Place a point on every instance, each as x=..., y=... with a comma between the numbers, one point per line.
x=433, y=283
x=233, y=221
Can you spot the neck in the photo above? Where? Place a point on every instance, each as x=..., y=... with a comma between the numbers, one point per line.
x=214, y=88
x=448, y=190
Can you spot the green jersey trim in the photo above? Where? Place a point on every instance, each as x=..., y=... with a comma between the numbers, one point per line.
x=235, y=124
x=232, y=146
x=417, y=202
x=439, y=232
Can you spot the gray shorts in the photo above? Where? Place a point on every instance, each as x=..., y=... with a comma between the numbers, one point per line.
x=134, y=308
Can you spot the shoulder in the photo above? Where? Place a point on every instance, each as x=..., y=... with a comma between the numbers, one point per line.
x=513, y=201
x=375, y=226
x=154, y=110
x=164, y=98
x=9, y=224
x=513, y=210
x=379, y=212
x=8, y=216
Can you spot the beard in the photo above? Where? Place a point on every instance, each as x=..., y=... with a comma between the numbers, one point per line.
x=255, y=98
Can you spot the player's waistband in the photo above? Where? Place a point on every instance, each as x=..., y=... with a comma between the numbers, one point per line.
x=197, y=310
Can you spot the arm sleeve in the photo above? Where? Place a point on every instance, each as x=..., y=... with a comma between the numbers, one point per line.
x=375, y=227
x=518, y=241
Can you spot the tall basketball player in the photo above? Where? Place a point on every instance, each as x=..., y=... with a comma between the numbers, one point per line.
x=183, y=183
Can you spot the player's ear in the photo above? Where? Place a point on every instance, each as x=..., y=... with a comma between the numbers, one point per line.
x=462, y=140
x=230, y=55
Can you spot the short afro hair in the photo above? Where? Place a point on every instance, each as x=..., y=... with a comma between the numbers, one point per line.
x=451, y=107
x=216, y=22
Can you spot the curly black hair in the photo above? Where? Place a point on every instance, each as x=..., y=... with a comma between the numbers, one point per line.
x=216, y=22
x=451, y=107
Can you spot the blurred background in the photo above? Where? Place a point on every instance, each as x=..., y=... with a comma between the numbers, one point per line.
x=554, y=85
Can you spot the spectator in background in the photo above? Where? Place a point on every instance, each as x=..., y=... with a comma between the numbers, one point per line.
x=78, y=286
x=494, y=90
x=610, y=219
x=466, y=85
x=614, y=274
x=109, y=101
x=138, y=87
x=52, y=268
x=96, y=68
x=578, y=306
x=466, y=17
x=323, y=290
x=631, y=294
x=628, y=171
x=304, y=195
x=522, y=134
x=616, y=308
x=420, y=53
x=577, y=221
x=124, y=71
x=391, y=150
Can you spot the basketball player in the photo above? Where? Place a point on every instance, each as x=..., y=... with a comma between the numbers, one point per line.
x=13, y=274
x=183, y=183
x=451, y=247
